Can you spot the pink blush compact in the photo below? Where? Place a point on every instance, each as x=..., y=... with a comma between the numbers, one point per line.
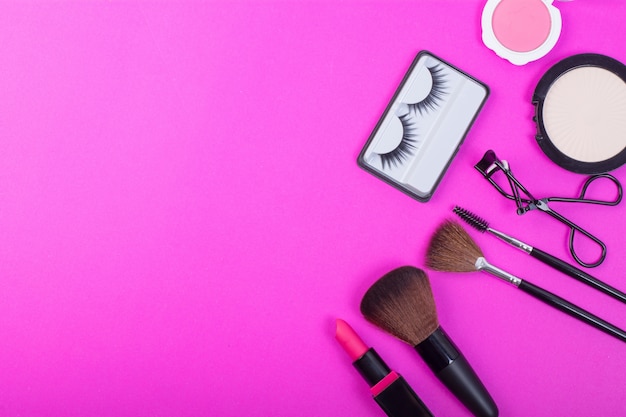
x=520, y=31
x=520, y=25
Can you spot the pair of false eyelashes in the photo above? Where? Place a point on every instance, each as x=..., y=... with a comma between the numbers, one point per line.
x=408, y=144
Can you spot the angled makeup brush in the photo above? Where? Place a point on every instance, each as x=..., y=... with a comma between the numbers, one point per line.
x=451, y=249
x=482, y=225
x=402, y=304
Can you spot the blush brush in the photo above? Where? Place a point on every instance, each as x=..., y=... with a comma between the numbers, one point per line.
x=482, y=226
x=451, y=249
x=402, y=304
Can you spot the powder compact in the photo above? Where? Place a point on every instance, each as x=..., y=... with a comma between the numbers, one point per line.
x=580, y=112
x=423, y=126
x=520, y=31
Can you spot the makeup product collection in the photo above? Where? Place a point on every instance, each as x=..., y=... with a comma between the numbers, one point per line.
x=580, y=117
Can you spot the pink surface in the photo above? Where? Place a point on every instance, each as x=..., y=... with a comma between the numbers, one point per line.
x=182, y=217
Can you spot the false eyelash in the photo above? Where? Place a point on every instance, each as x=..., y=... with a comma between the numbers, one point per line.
x=406, y=147
x=436, y=94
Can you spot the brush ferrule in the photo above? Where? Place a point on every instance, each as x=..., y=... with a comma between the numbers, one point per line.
x=482, y=265
x=511, y=240
x=437, y=350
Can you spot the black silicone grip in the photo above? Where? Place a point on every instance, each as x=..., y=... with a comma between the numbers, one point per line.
x=572, y=309
x=576, y=273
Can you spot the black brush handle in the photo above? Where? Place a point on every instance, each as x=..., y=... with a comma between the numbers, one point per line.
x=445, y=359
x=576, y=273
x=571, y=309
x=463, y=382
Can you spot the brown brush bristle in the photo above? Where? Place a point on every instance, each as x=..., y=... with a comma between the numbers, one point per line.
x=451, y=249
x=402, y=304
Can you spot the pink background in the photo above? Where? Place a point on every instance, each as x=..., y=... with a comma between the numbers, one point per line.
x=182, y=217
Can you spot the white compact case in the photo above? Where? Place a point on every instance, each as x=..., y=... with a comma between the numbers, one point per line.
x=423, y=126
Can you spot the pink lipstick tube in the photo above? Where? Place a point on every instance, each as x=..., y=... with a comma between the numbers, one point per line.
x=389, y=389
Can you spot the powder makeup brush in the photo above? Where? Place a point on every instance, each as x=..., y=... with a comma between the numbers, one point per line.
x=451, y=249
x=482, y=226
x=402, y=304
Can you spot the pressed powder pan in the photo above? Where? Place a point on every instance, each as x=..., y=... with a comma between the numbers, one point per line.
x=581, y=113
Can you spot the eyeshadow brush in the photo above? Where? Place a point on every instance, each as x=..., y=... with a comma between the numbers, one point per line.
x=402, y=304
x=482, y=226
x=451, y=249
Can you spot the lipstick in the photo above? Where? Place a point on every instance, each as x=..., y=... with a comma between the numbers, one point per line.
x=389, y=389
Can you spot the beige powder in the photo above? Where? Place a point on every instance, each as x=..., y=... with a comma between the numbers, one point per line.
x=584, y=114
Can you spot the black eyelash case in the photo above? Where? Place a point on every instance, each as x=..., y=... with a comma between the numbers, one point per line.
x=423, y=126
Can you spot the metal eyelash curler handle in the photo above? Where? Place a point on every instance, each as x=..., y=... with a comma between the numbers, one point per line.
x=525, y=201
x=543, y=206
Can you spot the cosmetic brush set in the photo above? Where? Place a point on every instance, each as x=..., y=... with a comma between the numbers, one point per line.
x=580, y=117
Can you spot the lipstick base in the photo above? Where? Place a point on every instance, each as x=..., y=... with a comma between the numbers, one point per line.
x=399, y=400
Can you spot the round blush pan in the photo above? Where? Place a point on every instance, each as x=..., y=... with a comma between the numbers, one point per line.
x=521, y=25
x=581, y=113
x=520, y=31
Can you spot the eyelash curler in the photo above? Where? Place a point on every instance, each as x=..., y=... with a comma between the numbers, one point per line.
x=525, y=201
